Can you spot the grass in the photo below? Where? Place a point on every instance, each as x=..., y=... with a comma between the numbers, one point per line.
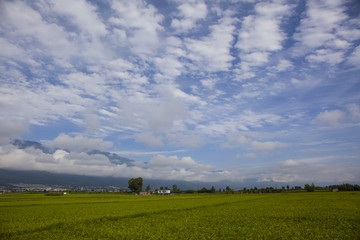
x=318, y=215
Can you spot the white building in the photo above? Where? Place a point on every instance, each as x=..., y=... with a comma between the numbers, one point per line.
x=162, y=192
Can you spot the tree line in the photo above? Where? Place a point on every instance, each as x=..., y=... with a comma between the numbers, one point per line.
x=341, y=187
x=136, y=185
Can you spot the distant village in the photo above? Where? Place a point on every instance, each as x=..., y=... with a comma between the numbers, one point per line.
x=22, y=187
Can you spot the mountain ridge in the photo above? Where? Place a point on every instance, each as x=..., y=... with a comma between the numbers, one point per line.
x=11, y=176
x=113, y=157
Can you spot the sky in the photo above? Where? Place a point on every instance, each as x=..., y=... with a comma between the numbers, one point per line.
x=190, y=90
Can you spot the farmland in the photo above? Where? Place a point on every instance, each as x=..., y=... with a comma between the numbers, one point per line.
x=317, y=215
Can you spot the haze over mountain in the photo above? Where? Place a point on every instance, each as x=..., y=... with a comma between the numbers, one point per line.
x=11, y=176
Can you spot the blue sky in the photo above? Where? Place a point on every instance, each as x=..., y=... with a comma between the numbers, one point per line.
x=191, y=90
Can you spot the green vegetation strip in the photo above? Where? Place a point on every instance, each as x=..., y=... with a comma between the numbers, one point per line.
x=318, y=215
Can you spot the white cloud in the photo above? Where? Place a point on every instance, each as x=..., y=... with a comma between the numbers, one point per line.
x=78, y=143
x=169, y=65
x=253, y=119
x=163, y=115
x=322, y=20
x=10, y=130
x=267, y=146
x=182, y=140
x=40, y=105
x=326, y=55
x=246, y=1
x=260, y=35
x=248, y=155
x=354, y=111
x=230, y=124
x=246, y=140
x=85, y=159
x=142, y=24
x=208, y=83
x=261, y=32
x=317, y=170
x=326, y=33
x=11, y=51
x=174, y=161
x=189, y=14
x=30, y=27
x=284, y=65
x=354, y=58
x=235, y=141
x=348, y=117
x=92, y=84
x=150, y=139
x=212, y=53
x=255, y=59
x=157, y=109
x=330, y=118
x=81, y=14
x=296, y=82
x=185, y=168
x=291, y=163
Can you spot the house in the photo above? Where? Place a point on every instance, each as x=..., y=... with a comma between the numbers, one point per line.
x=163, y=192
x=144, y=193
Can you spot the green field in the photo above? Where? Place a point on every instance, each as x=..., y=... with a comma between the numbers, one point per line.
x=317, y=215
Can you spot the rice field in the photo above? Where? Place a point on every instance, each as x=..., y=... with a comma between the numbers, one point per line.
x=317, y=215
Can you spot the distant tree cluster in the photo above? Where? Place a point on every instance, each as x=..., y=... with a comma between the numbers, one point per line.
x=345, y=187
x=309, y=188
x=342, y=187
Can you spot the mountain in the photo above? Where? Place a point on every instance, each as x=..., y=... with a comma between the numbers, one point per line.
x=113, y=157
x=23, y=144
x=9, y=177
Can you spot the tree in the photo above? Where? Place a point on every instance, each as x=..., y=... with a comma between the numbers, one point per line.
x=135, y=184
x=309, y=188
x=175, y=189
x=212, y=190
x=229, y=190
x=147, y=189
x=203, y=190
